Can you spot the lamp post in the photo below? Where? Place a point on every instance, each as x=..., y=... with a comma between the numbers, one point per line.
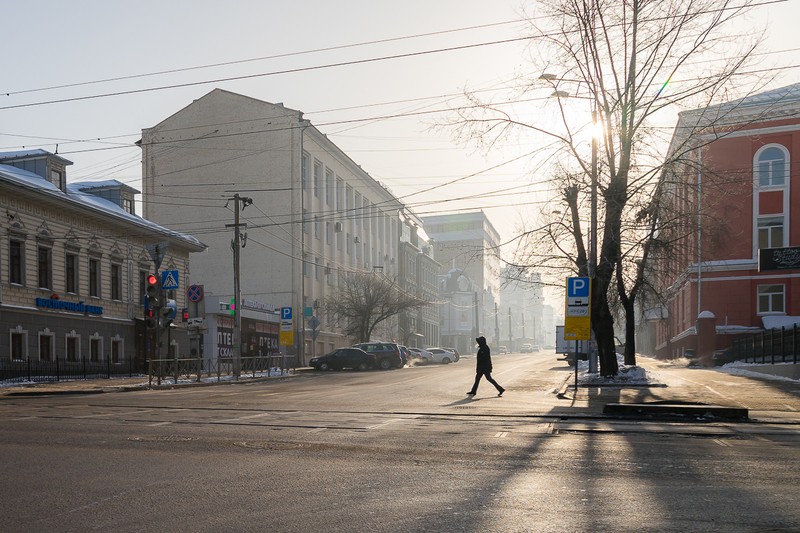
x=592, y=260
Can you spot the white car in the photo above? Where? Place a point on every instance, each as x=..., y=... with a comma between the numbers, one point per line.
x=440, y=355
x=423, y=356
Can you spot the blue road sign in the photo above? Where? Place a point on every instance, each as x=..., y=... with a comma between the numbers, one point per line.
x=578, y=287
x=169, y=280
x=286, y=313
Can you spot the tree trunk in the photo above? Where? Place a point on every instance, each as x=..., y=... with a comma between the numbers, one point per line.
x=630, y=335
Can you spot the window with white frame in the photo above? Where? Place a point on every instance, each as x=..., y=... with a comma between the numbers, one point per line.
x=94, y=277
x=44, y=263
x=770, y=232
x=771, y=166
x=73, y=347
x=71, y=272
x=46, y=345
x=116, y=281
x=317, y=179
x=18, y=344
x=329, y=186
x=95, y=349
x=771, y=299
x=117, y=349
x=16, y=261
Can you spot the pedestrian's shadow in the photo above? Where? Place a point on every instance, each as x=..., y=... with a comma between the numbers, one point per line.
x=468, y=400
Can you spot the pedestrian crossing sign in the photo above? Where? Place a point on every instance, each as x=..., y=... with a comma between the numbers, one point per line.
x=169, y=280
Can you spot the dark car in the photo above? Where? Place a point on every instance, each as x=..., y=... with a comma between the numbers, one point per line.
x=344, y=358
x=387, y=354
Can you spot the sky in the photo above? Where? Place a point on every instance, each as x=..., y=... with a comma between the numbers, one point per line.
x=86, y=76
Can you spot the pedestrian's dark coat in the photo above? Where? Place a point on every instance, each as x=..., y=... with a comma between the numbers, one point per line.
x=484, y=363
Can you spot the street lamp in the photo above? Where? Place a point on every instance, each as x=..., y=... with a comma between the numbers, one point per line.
x=592, y=266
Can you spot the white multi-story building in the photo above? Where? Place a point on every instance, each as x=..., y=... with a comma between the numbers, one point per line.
x=466, y=247
x=308, y=212
x=73, y=268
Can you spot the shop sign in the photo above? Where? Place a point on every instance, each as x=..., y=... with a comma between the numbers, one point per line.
x=60, y=305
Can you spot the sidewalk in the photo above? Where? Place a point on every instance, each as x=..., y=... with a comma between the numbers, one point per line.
x=142, y=382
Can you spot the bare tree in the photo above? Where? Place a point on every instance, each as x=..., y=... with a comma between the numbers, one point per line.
x=363, y=300
x=631, y=61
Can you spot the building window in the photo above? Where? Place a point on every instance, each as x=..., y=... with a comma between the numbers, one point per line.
x=771, y=165
x=770, y=232
x=71, y=273
x=16, y=261
x=44, y=261
x=94, y=278
x=317, y=228
x=328, y=233
x=18, y=341
x=116, y=351
x=317, y=179
x=57, y=179
x=329, y=186
x=45, y=346
x=306, y=223
x=317, y=269
x=304, y=171
x=73, y=348
x=771, y=299
x=305, y=266
x=339, y=194
x=127, y=205
x=95, y=349
x=116, y=282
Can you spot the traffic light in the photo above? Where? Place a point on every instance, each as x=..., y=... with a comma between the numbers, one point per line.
x=167, y=313
x=185, y=314
x=151, y=301
x=232, y=306
x=150, y=318
x=153, y=292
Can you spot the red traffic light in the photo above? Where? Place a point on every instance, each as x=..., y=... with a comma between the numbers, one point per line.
x=152, y=279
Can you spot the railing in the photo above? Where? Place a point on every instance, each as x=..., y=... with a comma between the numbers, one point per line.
x=41, y=371
x=768, y=347
x=194, y=369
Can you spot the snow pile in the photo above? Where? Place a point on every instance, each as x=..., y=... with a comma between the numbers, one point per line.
x=627, y=375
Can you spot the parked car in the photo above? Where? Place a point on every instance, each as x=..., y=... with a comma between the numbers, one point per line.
x=418, y=355
x=536, y=348
x=342, y=358
x=526, y=348
x=502, y=349
x=455, y=352
x=387, y=354
x=443, y=355
x=404, y=354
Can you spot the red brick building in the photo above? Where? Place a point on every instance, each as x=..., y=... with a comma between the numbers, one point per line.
x=736, y=185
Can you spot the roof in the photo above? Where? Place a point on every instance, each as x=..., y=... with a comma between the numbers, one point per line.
x=29, y=154
x=77, y=198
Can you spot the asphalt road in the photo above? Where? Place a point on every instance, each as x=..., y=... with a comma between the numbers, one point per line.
x=401, y=450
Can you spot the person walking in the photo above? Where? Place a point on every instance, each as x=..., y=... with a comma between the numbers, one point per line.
x=484, y=367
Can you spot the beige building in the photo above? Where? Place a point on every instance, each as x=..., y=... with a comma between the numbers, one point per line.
x=308, y=213
x=73, y=265
x=466, y=247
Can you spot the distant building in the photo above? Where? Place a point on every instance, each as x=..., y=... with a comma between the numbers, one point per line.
x=73, y=265
x=466, y=248
x=309, y=213
x=417, y=274
x=521, y=311
x=740, y=189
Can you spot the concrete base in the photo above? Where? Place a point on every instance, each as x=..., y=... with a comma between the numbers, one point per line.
x=676, y=411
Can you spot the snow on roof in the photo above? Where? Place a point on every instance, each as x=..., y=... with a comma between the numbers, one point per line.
x=76, y=196
x=38, y=152
x=104, y=184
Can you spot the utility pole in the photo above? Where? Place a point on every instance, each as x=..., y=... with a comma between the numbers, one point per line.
x=510, y=341
x=239, y=242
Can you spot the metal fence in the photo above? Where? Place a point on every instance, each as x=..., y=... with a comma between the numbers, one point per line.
x=768, y=347
x=194, y=369
x=40, y=371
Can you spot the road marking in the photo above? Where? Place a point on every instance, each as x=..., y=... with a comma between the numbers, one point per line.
x=722, y=443
x=158, y=424
x=242, y=418
x=501, y=434
x=137, y=412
